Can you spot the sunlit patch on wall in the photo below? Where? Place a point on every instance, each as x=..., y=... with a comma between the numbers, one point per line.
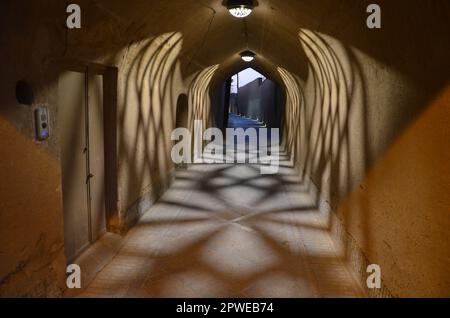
x=149, y=85
x=292, y=108
x=199, y=99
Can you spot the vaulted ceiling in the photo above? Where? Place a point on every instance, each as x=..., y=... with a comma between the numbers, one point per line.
x=211, y=36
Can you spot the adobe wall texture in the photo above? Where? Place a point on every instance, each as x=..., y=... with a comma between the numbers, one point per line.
x=372, y=136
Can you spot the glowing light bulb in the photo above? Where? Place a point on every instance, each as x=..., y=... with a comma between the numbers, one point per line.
x=240, y=8
x=240, y=12
x=248, y=56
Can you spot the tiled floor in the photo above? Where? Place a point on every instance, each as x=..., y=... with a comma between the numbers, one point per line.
x=228, y=231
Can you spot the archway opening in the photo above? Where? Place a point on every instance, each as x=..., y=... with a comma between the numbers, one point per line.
x=248, y=98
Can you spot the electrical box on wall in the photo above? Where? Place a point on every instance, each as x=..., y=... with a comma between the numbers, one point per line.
x=42, y=123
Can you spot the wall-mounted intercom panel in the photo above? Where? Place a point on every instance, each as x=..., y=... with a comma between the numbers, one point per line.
x=42, y=122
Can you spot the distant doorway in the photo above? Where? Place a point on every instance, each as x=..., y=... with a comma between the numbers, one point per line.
x=182, y=112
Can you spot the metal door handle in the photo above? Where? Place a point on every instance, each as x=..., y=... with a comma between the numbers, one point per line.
x=89, y=177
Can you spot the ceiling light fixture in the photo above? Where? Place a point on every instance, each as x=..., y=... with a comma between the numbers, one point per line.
x=240, y=8
x=248, y=56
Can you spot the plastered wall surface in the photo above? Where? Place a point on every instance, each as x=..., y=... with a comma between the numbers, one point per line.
x=149, y=85
x=32, y=263
x=384, y=176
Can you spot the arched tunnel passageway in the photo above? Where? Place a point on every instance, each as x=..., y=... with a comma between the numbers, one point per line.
x=362, y=174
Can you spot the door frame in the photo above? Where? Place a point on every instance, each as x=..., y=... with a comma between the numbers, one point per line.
x=110, y=78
